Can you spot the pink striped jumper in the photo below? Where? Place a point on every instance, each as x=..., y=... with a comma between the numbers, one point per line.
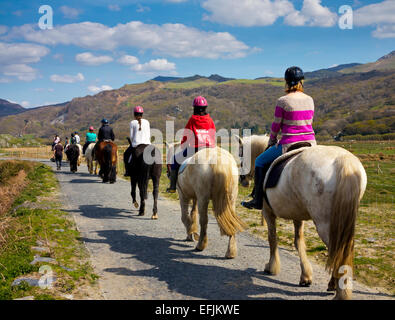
x=294, y=117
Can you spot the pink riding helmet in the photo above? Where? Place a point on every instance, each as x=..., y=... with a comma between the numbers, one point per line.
x=91, y=128
x=200, y=102
x=138, y=109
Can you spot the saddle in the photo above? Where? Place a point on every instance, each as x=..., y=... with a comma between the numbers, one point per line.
x=276, y=168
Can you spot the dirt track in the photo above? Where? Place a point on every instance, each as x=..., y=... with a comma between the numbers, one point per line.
x=138, y=258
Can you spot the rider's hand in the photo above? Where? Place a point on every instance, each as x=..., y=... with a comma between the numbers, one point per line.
x=271, y=144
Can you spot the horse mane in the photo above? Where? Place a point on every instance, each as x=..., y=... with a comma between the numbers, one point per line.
x=258, y=144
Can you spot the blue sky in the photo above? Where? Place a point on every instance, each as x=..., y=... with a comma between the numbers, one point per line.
x=99, y=45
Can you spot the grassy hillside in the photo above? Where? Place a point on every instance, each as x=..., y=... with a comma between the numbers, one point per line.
x=359, y=103
x=385, y=63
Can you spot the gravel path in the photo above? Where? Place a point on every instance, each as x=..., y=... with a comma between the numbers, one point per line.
x=139, y=258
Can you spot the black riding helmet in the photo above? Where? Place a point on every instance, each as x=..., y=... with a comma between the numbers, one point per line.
x=293, y=76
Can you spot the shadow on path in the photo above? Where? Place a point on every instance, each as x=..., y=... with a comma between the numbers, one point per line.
x=196, y=279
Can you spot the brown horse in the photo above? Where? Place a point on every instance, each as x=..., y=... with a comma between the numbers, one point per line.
x=106, y=153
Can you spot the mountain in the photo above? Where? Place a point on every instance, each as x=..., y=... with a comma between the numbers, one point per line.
x=213, y=77
x=329, y=72
x=358, y=103
x=385, y=63
x=9, y=108
x=355, y=103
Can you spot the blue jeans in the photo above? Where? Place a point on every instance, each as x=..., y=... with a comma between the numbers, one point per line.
x=269, y=156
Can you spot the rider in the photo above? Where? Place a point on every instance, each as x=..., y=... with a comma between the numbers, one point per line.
x=105, y=132
x=72, y=139
x=58, y=154
x=77, y=138
x=294, y=117
x=90, y=138
x=140, y=135
x=56, y=139
x=203, y=131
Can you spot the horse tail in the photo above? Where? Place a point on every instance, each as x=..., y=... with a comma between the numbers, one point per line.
x=107, y=159
x=224, y=193
x=346, y=199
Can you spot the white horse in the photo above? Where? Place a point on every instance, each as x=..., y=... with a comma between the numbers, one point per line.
x=211, y=174
x=325, y=184
x=89, y=159
x=80, y=156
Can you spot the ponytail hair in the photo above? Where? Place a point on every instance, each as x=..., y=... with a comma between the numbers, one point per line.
x=140, y=115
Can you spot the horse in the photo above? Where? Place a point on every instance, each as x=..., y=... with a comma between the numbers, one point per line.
x=79, y=160
x=107, y=156
x=89, y=159
x=73, y=154
x=211, y=174
x=325, y=184
x=140, y=174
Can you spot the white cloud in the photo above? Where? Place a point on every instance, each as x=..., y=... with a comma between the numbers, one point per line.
x=25, y=104
x=266, y=12
x=381, y=15
x=374, y=14
x=15, y=57
x=176, y=40
x=70, y=13
x=153, y=66
x=384, y=32
x=114, y=7
x=141, y=8
x=128, y=60
x=67, y=78
x=96, y=89
x=89, y=59
x=247, y=13
x=11, y=53
x=3, y=29
x=313, y=14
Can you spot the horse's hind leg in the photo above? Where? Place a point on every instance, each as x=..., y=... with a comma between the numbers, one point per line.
x=133, y=192
x=203, y=220
x=155, y=193
x=232, y=248
x=113, y=174
x=193, y=215
x=185, y=218
x=306, y=277
x=273, y=267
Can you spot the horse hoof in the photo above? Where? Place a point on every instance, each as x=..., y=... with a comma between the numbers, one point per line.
x=198, y=249
x=305, y=283
x=154, y=217
x=141, y=214
x=136, y=205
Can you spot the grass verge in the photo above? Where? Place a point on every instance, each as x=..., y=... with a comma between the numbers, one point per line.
x=36, y=220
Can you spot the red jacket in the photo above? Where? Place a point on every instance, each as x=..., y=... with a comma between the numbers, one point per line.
x=203, y=129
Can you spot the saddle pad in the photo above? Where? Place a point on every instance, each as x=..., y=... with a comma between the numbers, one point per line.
x=184, y=165
x=273, y=175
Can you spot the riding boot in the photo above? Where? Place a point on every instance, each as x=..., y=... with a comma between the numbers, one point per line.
x=173, y=181
x=257, y=201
